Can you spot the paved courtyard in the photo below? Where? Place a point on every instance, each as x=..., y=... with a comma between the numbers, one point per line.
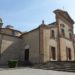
x=30, y=71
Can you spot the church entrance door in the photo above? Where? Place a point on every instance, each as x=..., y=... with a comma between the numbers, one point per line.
x=26, y=55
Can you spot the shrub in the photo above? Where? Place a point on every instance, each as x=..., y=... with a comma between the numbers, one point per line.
x=12, y=63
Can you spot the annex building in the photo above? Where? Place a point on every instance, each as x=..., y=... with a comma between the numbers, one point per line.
x=51, y=42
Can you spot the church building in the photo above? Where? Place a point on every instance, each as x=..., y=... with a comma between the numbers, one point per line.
x=48, y=42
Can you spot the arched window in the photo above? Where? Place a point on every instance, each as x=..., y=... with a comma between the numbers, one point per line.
x=52, y=33
x=62, y=32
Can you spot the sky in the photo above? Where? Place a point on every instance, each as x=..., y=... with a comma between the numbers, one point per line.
x=26, y=15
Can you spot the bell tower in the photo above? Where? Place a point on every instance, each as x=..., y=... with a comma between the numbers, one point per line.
x=1, y=23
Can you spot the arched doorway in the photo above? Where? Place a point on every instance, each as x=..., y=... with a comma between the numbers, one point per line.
x=26, y=58
x=26, y=53
x=68, y=53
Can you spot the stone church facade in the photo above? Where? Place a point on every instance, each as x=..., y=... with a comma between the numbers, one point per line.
x=51, y=42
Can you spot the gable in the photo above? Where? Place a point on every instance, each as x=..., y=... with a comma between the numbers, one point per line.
x=64, y=14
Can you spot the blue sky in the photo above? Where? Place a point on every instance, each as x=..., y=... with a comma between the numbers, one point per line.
x=26, y=15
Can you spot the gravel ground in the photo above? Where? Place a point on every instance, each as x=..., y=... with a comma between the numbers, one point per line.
x=30, y=71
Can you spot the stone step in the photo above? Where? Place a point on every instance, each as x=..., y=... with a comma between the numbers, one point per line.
x=60, y=66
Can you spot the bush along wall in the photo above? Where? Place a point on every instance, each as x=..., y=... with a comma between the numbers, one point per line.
x=12, y=63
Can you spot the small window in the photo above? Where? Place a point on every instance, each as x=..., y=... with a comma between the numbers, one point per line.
x=52, y=33
x=63, y=32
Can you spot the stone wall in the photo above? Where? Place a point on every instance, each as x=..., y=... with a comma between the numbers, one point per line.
x=10, y=48
x=48, y=43
x=63, y=44
x=66, y=41
x=67, y=28
x=31, y=41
